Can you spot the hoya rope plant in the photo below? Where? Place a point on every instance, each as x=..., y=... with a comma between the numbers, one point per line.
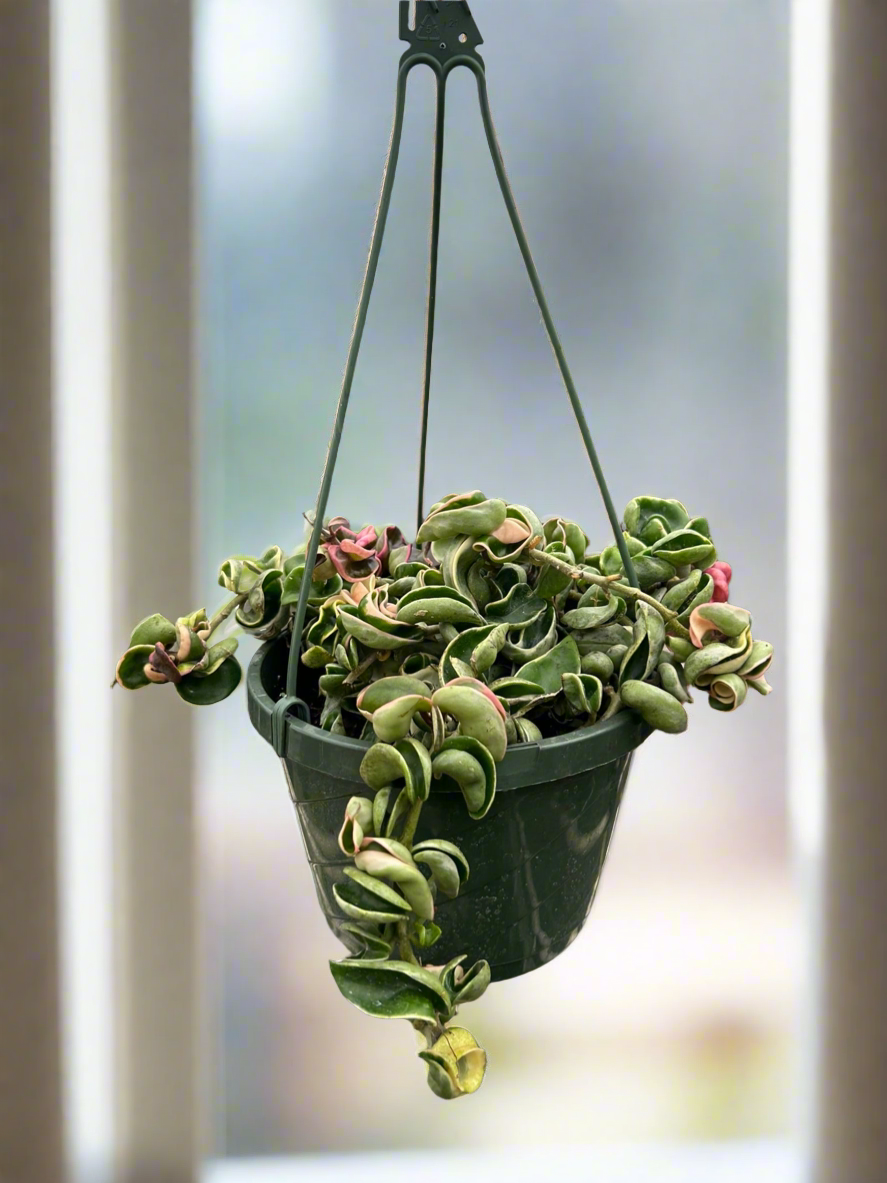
x=492, y=629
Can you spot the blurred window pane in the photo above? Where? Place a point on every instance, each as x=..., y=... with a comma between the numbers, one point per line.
x=646, y=143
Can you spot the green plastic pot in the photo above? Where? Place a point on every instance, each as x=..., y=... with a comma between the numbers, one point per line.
x=536, y=858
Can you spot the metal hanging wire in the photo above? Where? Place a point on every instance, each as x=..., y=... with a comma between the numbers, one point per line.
x=443, y=37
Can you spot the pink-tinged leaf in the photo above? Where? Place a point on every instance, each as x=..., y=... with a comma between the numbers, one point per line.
x=715, y=618
x=391, y=722
x=700, y=628
x=153, y=676
x=386, y=690
x=372, y=609
x=351, y=568
x=383, y=858
x=358, y=591
x=358, y=820
x=721, y=590
x=340, y=528
x=721, y=574
x=163, y=665
x=390, y=539
x=725, y=569
x=452, y=500
x=367, y=537
x=511, y=532
x=355, y=549
x=485, y=690
x=390, y=846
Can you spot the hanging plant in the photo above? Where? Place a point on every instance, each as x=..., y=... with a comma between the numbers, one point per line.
x=457, y=715
x=493, y=632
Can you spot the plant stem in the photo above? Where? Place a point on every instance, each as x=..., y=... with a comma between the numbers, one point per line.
x=403, y=943
x=678, y=630
x=223, y=613
x=361, y=669
x=428, y=1031
x=406, y=839
x=629, y=592
x=540, y=556
x=613, y=708
x=612, y=584
x=409, y=829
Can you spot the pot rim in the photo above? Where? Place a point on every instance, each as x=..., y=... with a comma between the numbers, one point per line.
x=524, y=764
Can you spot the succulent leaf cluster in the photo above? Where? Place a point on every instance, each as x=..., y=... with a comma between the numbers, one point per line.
x=493, y=628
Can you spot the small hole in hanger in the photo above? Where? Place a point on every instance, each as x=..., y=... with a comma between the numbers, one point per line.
x=463, y=37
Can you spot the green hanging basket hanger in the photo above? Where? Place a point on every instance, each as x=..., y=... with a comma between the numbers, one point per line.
x=444, y=37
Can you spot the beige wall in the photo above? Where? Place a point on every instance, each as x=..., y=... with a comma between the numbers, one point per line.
x=30, y=1087
x=851, y=1125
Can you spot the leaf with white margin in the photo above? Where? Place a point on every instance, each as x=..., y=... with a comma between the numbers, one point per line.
x=392, y=989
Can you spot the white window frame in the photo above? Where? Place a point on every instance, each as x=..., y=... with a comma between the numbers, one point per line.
x=125, y=495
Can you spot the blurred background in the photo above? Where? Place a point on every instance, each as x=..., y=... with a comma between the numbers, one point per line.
x=647, y=146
